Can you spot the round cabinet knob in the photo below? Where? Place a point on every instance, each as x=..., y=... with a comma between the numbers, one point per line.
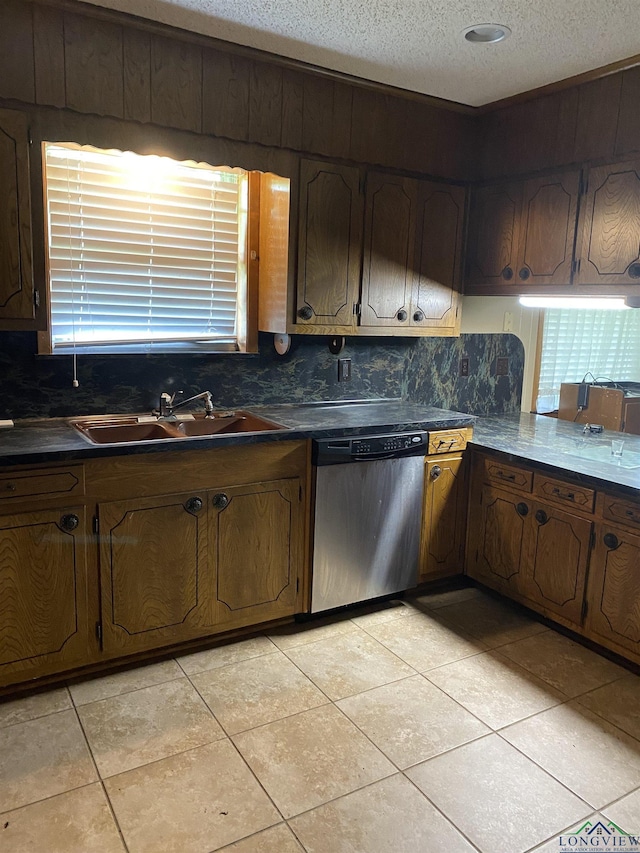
x=220, y=501
x=611, y=541
x=435, y=472
x=634, y=270
x=69, y=522
x=418, y=317
x=305, y=313
x=541, y=517
x=524, y=273
x=193, y=505
x=522, y=509
x=507, y=273
x=401, y=315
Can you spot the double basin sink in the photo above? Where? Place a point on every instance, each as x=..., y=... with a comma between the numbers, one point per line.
x=118, y=430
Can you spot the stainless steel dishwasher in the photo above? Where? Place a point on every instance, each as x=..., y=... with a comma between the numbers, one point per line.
x=368, y=510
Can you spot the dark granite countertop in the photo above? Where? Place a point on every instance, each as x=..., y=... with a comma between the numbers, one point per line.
x=55, y=440
x=561, y=446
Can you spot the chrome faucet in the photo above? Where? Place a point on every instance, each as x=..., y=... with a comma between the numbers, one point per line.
x=168, y=405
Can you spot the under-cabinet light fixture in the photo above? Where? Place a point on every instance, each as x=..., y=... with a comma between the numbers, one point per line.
x=606, y=302
x=486, y=33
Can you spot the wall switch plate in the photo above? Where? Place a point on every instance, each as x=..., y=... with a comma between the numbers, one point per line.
x=502, y=366
x=464, y=366
x=344, y=370
x=507, y=325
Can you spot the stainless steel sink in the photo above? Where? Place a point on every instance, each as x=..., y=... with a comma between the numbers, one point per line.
x=111, y=429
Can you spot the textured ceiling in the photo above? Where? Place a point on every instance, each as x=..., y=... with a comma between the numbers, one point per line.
x=417, y=44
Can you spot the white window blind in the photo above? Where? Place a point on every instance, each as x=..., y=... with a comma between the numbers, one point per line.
x=145, y=253
x=576, y=342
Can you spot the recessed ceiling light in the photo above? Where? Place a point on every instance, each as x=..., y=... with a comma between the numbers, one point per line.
x=486, y=33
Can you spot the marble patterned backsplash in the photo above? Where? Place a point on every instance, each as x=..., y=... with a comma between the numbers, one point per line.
x=422, y=370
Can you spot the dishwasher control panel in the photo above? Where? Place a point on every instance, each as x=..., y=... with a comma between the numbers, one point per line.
x=331, y=451
x=385, y=443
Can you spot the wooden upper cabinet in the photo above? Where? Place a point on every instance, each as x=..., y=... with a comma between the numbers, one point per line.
x=389, y=234
x=16, y=276
x=609, y=248
x=438, y=255
x=547, y=229
x=492, y=248
x=330, y=233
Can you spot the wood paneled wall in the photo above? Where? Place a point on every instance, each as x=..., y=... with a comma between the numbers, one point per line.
x=85, y=59
x=596, y=121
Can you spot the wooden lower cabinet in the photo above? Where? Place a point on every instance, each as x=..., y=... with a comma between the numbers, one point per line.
x=613, y=616
x=43, y=592
x=444, y=517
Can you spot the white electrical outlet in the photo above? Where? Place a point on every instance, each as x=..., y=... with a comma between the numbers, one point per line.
x=507, y=325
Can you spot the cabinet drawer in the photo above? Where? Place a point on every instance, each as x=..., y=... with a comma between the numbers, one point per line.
x=564, y=494
x=618, y=509
x=507, y=475
x=445, y=441
x=51, y=482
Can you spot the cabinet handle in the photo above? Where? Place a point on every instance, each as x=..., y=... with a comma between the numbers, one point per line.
x=503, y=476
x=193, y=505
x=570, y=496
x=634, y=270
x=401, y=315
x=524, y=273
x=69, y=522
x=633, y=515
x=220, y=501
x=435, y=472
x=522, y=509
x=10, y=487
x=541, y=517
x=305, y=313
x=611, y=541
x=507, y=273
x=418, y=317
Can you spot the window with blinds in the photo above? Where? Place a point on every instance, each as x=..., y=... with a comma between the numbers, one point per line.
x=145, y=254
x=596, y=344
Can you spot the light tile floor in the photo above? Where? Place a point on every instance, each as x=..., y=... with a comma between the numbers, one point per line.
x=448, y=722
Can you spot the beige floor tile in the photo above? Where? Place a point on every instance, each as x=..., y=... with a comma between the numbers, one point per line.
x=223, y=655
x=126, y=681
x=411, y=720
x=78, y=821
x=349, y=664
x=554, y=738
x=562, y=663
x=390, y=815
x=190, y=803
x=36, y=705
x=41, y=758
x=136, y=728
x=376, y=614
x=435, y=600
x=580, y=830
x=626, y=813
x=495, y=689
x=494, y=622
x=498, y=798
x=277, y=839
x=257, y=691
x=306, y=760
x=290, y=636
x=619, y=703
x=424, y=642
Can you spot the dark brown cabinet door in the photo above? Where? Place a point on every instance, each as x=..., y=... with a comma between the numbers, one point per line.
x=558, y=557
x=255, y=540
x=156, y=586
x=609, y=251
x=43, y=592
x=547, y=232
x=330, y=235
x=497, y=545
x=614, y=588
x=492, y=248
x=389, y=235
x=444, y=517
x=16, y=277
x=438, y=256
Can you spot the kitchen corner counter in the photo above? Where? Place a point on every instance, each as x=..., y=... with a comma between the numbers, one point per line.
x=54, y=439
x=561, y=447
